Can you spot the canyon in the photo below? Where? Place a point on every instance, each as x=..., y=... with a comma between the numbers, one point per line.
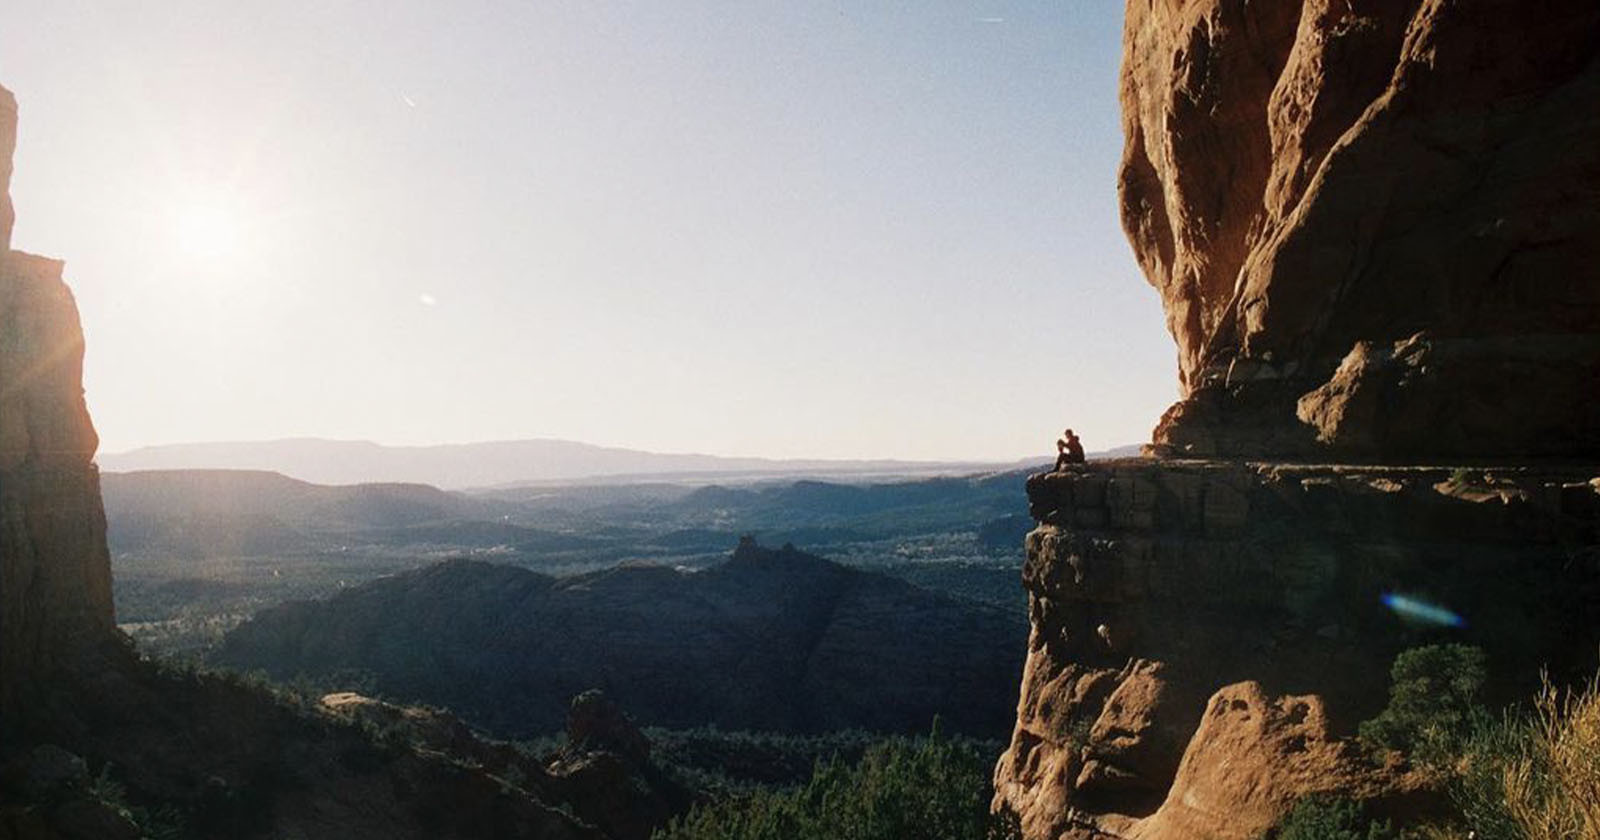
x=1375, y=230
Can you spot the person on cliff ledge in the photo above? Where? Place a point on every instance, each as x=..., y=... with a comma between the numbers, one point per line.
x=1069, y=450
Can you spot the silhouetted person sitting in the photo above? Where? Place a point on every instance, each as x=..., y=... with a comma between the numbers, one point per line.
x=1069, y=450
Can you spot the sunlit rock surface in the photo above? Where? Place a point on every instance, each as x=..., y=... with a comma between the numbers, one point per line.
x=1162, y=592
x=1407, y=187
x=1375, y=230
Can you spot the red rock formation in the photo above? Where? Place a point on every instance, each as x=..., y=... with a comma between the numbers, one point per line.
x=1153, y=586
x=55, y=572
x=1251, y=758
x=1310, y=183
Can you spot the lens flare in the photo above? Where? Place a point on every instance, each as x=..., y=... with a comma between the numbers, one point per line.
x=1412, y=608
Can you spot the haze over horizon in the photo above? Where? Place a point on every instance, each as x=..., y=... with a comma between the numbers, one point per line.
x=490, y=464
x=764, y=231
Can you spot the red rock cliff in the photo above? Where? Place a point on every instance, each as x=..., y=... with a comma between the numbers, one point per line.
x=1374, y=224
x=1375, y=229
x=55, y=573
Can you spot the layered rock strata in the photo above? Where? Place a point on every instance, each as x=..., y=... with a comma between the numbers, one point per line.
x=1374, y=224
x=1205, y=633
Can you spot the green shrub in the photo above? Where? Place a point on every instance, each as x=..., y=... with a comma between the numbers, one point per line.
x=1478, y=788
x=1319, y=818
x=1433, y=704
x=730, y=761
x=902, y=789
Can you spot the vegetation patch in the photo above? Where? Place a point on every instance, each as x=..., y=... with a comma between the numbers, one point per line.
x=1434, y=700
x=1321, y=818
x=932, y=788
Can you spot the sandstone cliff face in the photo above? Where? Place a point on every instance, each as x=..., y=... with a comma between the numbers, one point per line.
x=1353, y=208
x=1172, y=603
x=1375, y=229
x=55, y=573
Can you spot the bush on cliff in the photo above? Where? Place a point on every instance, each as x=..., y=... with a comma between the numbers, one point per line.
x=1433, y=704
x=1319, y=818
x=1535, y=777
x=925, y=789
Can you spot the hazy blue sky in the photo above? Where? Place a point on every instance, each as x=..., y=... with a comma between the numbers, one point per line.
x=767, y=228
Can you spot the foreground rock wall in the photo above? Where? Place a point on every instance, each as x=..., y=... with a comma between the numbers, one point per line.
x=1374, y=224
x=55, y=572
x=1232, y=612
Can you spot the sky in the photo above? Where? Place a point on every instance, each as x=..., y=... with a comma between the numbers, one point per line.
x=850, y=230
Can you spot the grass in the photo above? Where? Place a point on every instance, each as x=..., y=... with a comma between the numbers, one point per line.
x=1552, y=789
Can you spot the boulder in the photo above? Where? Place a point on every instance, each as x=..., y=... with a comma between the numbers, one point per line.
x=1252, y=757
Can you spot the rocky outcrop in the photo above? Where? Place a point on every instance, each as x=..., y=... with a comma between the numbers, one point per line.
x=1374, y=224
x=603, y=774
x=1252, y=757
x=595, y=723
x=770, y=640
x=1375, y=230
x=55, y=572
x=1174, y=604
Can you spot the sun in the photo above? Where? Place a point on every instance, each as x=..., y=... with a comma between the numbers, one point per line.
x=205, y=234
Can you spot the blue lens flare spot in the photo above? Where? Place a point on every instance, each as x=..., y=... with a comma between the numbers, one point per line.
x=1412, y=608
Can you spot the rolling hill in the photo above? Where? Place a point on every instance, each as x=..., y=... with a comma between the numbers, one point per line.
x=770, y=639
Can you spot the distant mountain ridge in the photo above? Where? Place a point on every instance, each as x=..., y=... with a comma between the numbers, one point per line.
x=488, y=464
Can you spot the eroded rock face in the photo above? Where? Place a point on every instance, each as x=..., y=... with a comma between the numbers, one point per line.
x=55, y=572
x=1155, y=585
x=1251, y=758
x=1304, y=181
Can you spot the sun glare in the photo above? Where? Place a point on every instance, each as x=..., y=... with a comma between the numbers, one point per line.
x=205, y=233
